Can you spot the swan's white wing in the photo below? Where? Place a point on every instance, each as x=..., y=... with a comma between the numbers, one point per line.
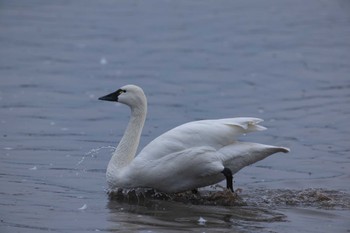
x=194, y=167
x=178, y=171
x=241, y=154
x=212, y=133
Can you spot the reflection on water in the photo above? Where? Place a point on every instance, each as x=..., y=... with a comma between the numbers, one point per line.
x=160, y=214
x=157, y=211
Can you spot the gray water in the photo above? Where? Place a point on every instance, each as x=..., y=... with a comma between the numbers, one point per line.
x=284, y=61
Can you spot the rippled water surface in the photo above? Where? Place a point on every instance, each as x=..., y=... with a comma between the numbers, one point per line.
x=284, y=61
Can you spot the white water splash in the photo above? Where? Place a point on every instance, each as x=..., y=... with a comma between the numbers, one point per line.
x=93, y=153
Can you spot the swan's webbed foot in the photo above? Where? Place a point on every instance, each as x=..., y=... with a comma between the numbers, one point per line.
x=229, y=180
x=194, y=191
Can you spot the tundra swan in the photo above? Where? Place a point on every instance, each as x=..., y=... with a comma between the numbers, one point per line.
x=190, y=156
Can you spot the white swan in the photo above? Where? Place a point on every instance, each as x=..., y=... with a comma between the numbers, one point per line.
x=190, y=156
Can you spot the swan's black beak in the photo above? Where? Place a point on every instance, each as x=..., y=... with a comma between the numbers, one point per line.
x=111, y=97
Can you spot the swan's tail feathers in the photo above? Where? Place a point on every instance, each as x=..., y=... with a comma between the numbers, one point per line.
x=241, y=154
x=253, y=126
x=248, y=124
x=284, y=149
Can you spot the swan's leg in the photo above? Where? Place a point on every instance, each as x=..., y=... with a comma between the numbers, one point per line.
x=194, y=191
x=228, y=174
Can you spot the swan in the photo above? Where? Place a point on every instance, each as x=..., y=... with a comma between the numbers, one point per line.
x=187, y=157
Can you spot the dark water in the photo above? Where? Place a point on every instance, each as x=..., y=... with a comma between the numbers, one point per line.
x=287, y=62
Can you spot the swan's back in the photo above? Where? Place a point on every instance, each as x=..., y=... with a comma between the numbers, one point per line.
x=212, y=133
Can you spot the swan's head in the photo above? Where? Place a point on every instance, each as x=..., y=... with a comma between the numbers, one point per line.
x=130, y=95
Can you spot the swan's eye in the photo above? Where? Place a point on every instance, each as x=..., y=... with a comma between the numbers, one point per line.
x=121, y=91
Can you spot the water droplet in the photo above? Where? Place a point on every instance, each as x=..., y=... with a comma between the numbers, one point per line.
x=201, y=221
x=84, y=207
x=103, y=61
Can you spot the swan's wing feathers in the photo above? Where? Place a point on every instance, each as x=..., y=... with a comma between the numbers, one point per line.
x=241, y=154
x=185, y=170
x=213, y=133
x=248, y=124
x=195, y=167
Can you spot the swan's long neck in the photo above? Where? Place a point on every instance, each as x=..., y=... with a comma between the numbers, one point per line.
x=128, y=145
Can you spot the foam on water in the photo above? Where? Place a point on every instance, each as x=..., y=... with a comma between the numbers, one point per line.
x=141, y=195
x=272, y=198
x=311, y=197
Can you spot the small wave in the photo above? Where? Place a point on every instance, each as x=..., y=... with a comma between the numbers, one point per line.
x=223, y=197
x=311, y=197
x=317, y=198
